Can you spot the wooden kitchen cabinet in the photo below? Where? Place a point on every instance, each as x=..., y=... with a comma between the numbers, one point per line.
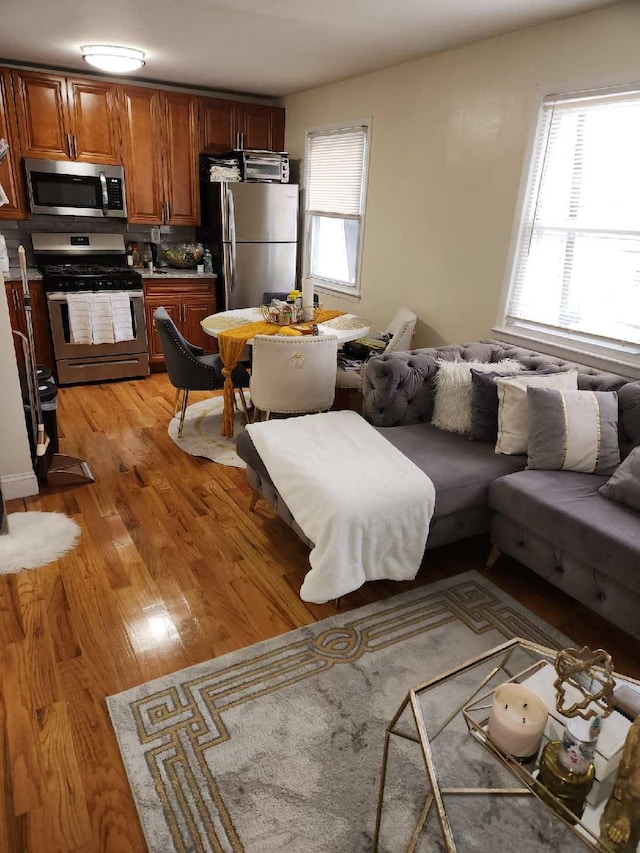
x=93, y=121
x=188, y=301
x=39, y=319
x=160, y=135
x=218, y=122
x=262, y=127
x=195, y=309
x=141, y=133
x=10, y=172
x=64, y=118
x=225, y=125
x=172, y=303
x=180, y=146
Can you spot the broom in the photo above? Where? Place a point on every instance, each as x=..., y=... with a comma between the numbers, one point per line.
x=41, y=439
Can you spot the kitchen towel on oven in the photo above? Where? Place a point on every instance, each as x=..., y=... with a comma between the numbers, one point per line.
x=79, y=317
x=121, y=316
x=101, y=319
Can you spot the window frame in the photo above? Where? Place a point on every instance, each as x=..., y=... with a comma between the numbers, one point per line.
x=624, y=358
x=332, y=286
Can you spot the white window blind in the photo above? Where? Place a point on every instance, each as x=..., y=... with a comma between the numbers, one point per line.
x=336, y=176
x=335, y=170
x=577, y=269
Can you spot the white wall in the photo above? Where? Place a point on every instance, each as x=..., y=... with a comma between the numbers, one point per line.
x=449, y=141
x=16, y=471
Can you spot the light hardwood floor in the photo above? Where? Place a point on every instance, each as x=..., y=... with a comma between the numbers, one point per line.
x=172, y=569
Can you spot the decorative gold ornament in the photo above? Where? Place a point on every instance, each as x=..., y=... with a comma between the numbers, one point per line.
x=590, y=673
x=620, y=821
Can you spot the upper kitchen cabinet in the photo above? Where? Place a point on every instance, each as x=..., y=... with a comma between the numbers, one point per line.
x=225, y=125
x=141, y=134
x=262, y=127
x=160, y=135
x=94, y=125
x=66, y=119
x=10, y=173
x=180, y=147
x=218, y=122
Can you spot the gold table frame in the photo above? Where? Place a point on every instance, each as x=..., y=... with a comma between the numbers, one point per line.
x=471, y=704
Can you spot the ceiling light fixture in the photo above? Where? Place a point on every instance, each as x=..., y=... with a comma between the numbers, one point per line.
x=109, y=57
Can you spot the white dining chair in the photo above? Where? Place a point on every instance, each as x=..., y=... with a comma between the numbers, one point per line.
x=293, y=375
x=401, y=329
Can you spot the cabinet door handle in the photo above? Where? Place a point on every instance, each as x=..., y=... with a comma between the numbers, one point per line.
x=16, y=304
x=74, y=139
x=168, y=211
x=70, y=145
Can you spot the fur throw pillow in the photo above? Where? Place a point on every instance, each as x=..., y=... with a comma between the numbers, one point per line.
x=452, y=403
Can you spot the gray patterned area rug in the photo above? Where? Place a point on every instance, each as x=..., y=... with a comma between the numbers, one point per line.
x=278, y=746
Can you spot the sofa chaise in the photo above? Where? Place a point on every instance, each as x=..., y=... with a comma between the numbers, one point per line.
x=554, y=522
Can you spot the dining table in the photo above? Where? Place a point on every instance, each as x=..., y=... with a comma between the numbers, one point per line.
x=236, y=328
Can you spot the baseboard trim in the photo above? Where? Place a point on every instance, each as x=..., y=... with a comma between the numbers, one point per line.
x=19, y=485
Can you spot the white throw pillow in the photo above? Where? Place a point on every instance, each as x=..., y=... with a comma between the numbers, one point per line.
x=452, y=403
x=513, y=406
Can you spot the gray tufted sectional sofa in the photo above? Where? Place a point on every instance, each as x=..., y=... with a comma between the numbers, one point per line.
x=555, y=522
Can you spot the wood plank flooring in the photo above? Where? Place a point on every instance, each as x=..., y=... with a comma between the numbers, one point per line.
x=172, y=569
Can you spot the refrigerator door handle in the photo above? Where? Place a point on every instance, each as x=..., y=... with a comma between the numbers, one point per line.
x=232, y=237
x=226, y=274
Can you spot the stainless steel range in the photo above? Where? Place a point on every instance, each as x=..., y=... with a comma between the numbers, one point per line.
x=91, y=264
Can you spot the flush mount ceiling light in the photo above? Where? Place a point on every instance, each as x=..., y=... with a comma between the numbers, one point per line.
x=109, y=57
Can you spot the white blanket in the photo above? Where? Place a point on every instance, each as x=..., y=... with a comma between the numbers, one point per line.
x=363, y=503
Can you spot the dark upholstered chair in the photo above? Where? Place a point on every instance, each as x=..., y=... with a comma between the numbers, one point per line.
x=189, y=369
x=268, y=295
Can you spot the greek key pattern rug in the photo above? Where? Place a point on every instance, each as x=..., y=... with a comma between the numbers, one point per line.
x=278, y=746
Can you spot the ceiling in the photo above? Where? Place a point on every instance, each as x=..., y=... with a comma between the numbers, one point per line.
x=269, y=48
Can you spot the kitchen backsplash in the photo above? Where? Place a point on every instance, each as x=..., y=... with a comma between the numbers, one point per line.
x=17, y=232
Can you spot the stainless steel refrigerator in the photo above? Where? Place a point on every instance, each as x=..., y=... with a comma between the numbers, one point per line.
x=252, y=231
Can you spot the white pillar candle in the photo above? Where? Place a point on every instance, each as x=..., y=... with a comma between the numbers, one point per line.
x=517, y=720
x=307, y=293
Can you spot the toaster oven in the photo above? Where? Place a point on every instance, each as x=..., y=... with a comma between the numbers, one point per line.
x=270, y=166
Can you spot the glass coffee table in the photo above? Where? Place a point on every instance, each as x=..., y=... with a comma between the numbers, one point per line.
x=445, y=787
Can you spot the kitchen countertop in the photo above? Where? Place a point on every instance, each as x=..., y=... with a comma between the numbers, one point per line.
x=14, y=274
x=171, y=273
x=35, y=275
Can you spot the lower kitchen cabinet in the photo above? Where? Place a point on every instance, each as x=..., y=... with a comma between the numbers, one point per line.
x=187, y=301
x=39, y=319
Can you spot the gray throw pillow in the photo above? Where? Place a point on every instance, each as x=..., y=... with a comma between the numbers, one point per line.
x=624, y=486
x=573, y=430
x=484, y=404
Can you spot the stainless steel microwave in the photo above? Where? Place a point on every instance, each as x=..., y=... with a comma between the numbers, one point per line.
x=66, y=188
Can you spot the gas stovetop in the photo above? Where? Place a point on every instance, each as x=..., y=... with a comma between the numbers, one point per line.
x=69, y=277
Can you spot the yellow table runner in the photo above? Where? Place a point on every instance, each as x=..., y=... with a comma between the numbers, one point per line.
x=231, y=342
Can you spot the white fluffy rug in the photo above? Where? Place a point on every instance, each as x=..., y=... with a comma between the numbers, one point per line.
x=35, y=539
x=201, y=434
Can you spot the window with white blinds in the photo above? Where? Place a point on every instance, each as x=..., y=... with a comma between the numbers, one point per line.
x=576, y=275
x=336, y=173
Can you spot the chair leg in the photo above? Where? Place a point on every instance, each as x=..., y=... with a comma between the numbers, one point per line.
x=176, y=402
x=244, y=405
x=255, y=497
x=184, y=411
x=493, y=557
x=267, y=416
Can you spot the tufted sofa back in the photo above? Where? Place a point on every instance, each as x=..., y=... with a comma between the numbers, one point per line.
x=398, y=388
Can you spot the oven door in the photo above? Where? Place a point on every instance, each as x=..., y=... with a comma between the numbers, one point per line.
x=75, y=189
